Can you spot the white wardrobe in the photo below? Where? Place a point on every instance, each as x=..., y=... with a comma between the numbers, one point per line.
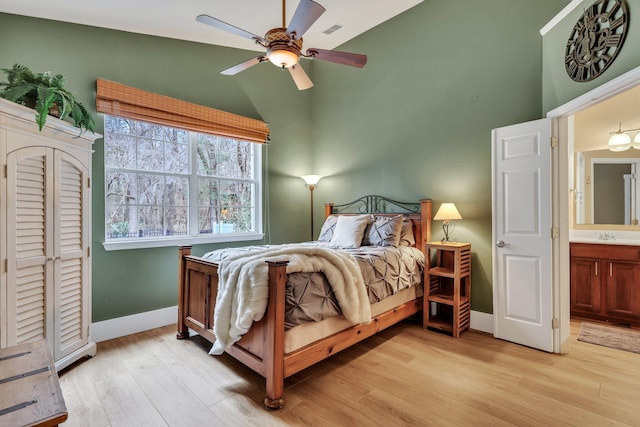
x=45, y=234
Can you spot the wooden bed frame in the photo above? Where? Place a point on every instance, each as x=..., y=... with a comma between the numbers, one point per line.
x=262, y=348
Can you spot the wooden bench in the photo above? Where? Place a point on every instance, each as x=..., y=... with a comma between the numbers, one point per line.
x=30, y=393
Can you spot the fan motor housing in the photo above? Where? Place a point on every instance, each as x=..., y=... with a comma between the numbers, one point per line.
x=277, y=38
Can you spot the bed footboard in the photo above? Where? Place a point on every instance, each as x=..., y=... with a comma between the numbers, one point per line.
x=262, y=348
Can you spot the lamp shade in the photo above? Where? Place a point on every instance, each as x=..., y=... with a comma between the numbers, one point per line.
x=619, y=141
x=311, y=179
x=447, y=212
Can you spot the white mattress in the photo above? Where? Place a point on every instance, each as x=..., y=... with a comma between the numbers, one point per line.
x=307, y=333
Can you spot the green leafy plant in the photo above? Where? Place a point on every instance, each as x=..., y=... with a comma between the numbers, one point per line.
x=46, y=94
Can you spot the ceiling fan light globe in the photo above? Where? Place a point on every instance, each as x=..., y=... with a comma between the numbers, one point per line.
x=283, y=58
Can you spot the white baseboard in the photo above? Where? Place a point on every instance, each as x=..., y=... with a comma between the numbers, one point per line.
x=127, y=325
x=482, y=321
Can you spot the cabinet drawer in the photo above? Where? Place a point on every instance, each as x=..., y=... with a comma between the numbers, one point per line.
x=613, y=252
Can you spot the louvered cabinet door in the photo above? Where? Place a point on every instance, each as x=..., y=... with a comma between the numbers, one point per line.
x=71, y=267
x=47, y=228
x=30, y=259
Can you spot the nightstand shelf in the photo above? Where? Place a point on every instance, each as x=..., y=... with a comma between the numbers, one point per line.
x=447, y=304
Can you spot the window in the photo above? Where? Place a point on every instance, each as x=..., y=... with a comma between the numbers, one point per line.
x=164, y=184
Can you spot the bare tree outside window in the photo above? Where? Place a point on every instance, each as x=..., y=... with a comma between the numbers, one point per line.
x=149, y=176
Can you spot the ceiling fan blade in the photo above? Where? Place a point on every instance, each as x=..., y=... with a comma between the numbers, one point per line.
x=344, y=58
x=221, y=25
x=300, y=77
x=243, y=66
x=305, y=15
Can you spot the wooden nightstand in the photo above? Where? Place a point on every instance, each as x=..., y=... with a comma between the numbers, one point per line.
x=447, y=290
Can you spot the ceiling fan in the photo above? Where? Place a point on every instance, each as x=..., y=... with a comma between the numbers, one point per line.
x=284, y=44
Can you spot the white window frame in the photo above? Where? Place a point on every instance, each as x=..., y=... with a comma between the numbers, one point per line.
x=195, y=238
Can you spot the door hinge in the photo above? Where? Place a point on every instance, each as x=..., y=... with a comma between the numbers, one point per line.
x=89, y=251
x=555, y=233
x=89, y=182
x=555, y=323
x=6, y=265
x=554, y=141
x=6, y=171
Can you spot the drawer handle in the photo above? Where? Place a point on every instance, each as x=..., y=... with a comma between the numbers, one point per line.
x=596, y=263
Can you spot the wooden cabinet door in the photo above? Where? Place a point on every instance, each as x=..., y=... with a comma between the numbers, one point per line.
x=623, y=292
x=586, y=286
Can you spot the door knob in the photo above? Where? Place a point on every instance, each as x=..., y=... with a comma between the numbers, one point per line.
x=501, y=244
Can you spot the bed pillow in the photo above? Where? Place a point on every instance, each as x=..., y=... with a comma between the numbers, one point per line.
x=328, y=227
x=406, y=235
x=384, y=231
x=349, y=231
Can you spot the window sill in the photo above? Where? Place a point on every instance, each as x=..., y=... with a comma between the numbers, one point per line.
x=119, y=245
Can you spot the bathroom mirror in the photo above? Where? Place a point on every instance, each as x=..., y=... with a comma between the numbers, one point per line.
x=607, y=190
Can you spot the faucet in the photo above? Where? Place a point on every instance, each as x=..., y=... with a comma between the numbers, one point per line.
x=606, y=236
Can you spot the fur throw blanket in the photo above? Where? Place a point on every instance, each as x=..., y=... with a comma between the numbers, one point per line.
x=243, y=285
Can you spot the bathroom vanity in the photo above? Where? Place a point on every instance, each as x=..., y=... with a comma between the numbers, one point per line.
x=605, y=282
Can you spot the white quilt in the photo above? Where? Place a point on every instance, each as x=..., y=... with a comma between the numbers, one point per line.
x=243, y=286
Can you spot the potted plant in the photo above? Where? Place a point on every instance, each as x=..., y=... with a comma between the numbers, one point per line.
x=46, y=94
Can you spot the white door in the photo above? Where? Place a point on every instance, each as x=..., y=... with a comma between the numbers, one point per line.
x=522, y=244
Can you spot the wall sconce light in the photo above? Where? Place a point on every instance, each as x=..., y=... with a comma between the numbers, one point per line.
x=621, y=141
x=446, y=213
x=311, y=182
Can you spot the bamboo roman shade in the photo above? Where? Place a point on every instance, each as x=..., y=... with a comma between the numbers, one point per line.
x=125, y=101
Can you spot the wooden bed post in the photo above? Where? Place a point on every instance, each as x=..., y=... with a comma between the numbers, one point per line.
x=328, y=209
x=274, y=336
x=426, y=206
x=183, y=331
x=426, y=212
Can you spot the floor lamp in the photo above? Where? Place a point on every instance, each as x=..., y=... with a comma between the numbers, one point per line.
x=311, y=182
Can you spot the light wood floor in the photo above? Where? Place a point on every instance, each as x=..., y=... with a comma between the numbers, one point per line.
x=403, y=376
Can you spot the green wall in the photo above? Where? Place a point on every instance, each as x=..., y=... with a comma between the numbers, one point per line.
x=558, y=88
x=415, y=122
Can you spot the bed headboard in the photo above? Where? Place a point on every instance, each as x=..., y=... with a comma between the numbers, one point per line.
x=419, y=213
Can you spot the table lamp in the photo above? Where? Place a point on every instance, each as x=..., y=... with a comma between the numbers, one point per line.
x=446, y=213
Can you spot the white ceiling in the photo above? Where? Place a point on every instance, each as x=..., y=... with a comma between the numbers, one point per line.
x=593, y=125
x=177, y=19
